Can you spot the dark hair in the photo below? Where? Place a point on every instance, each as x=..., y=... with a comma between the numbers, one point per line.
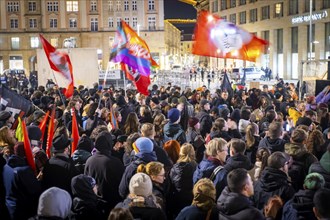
x=237, y=145
x=218, y=124
x=245, y=114
x=271, y=115
x=275, y=130
x=236, y=179
x=276, y=160
x=322, y=202
x=120, y=214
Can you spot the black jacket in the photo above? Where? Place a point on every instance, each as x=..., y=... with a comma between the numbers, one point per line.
x=300, y=206
x=181, y=195
x=272, y=144
x=272, y=182
x=174, y=132
x=234, y=206
x=205, y=121
x=107, y=171
x=238, y=161
x=318, y=168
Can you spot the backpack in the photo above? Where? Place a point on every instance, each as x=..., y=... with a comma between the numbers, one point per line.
x=215, y=172
x=297, y=172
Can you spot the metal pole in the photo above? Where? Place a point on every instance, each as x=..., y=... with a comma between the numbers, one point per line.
x=59, y=90
x=310, y=29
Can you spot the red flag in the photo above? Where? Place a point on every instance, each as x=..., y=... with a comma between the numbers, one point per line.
x=74, y=133
x=140, y=81
x=51, y=129
x=60, y=62
x=27, y=147
x=42, y=125
x=216, y=37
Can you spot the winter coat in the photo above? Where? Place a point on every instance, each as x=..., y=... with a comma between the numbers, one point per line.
x=272, y=182
x=194, y=213
x=205, y=169
x=323, y=168
x=272, y=144
x=79, y=158
x=220, y=134
x=107, y=171
x=139, y=158
x=205, y=121
x=238, y=161
x=251, y=152
x=22, y=188
x=58, y=172
x=146, y=210
x=300, y=206
x=198, y=142
x=302, y=160
x=181, y=195
x=234, y=206
x=162, y=156
x=174, y=132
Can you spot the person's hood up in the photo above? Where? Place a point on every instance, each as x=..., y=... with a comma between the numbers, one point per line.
x=171, y=129
x=272, y=179
x=325, y=161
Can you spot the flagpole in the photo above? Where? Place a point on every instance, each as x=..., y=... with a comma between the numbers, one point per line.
x=104, y=83
x=58, y=89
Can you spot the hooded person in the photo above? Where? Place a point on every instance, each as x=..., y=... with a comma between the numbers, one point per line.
x=82, y=153
x=140, y=200
x=143, y=148
x=86, y=204
x=106, y=169
x=54, y=203
x=34, y=134
x=21, y=185
x=323, y=167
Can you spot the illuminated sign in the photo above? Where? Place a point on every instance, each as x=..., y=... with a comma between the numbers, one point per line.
x=306, y=18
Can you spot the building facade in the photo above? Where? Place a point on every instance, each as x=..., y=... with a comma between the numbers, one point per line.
x=76, y=23
x=285, y=24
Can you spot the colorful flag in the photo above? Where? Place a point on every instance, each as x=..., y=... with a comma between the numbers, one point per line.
x=226, y=85
x=51, y=130
x=27, y=146
x=130, y=49
x=43, y=124
x=19, y=131
x=113, y=119
x=60, y=62
x=216, y=37
x=74, y=132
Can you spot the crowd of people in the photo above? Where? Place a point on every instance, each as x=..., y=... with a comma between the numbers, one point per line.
x=192, y=154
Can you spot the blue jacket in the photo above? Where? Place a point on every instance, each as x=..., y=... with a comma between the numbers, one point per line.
x=195, y=213
x=205, y=169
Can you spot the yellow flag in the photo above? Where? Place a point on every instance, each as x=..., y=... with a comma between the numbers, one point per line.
x=19, y=131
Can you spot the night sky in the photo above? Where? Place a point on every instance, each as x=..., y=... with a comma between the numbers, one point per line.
x=177, y=9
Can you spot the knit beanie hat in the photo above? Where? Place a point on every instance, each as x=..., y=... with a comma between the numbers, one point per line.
x=314, y=181
x=173, y=115
x=140, y=185
x=204, y=194
x=143, y=145
x=104, y=141
x=54, y=202
x=85, y=143
x=155, y=100
x=193, y=121
x=34, y=133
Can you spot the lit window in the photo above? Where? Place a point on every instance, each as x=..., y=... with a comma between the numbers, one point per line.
x=73, y=22
x=72, y=6
x=53, y=23
x=54, y=42
x=32, y=6
x=33, y=23
x=279, y=9
x=94, y=24
x=134, y=6
x=34, y=42
x=15, y=43
x=151, y=5
x=14, y=23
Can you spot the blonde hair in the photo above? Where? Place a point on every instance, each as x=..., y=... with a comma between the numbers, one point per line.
x=147, y=129
x=152, y=169
x=204, y=194
x=215, y=145
x=187, y=153
x=250, y=130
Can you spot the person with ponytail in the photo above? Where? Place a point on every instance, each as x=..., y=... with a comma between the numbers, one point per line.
x=261, y=162
x=252, y=141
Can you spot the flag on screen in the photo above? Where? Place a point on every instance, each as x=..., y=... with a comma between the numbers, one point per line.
x=60, y=62
x=216, y=37
x=130, y=49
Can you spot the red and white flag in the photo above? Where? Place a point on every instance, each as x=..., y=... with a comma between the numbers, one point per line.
x=60, y=62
